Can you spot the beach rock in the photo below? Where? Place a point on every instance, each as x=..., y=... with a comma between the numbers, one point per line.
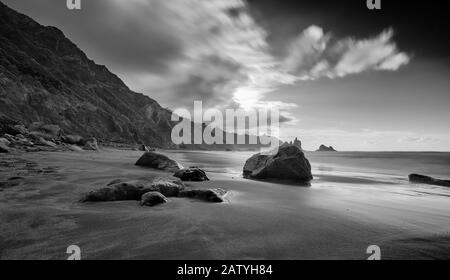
x=4, y=148
x=169, y=187
x=289, y=162
x=73, y=139
x=191, y=174
x=46, y=131
x=324, y=148
x=47, y=143
x=22, y=141
x=145, y=148
x=152, y=199
x=117, y=192
x=209, y=195
x=5, y=141
x=75, y=148
x=158, y=161
x=417, y=178
x=91, y=144
x=114, y=182
x=9, y=137
x=20, y=129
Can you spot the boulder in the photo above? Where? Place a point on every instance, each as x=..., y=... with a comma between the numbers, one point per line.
x=417, y=178
x=4, y=148
x=169, y=187
x=46, y=131
x=209, y=195
x=324, y=148
x=75, y=148
x=9, y=137
x=158, y=161
x=43, y=142
x=5, y=141
x=152, y=199
x=20, y=129
x=13, y=129
x=117, y=192
x=288, y=162
x=73, y=139
x=91, y=144
x=191, y=174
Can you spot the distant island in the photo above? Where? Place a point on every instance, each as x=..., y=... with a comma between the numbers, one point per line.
x=324, y=148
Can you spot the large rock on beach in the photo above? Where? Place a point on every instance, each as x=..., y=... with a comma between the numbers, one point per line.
x=158, y=161
x=288, y=162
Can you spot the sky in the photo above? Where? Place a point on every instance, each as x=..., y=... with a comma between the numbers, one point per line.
x=340, y=74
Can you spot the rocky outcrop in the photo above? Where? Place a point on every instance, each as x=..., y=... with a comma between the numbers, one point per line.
x=324, y=148
x=153, y=198
x=210, y=195
x=286, y=163
x=194, y=174
x=47, y=79
x=152, y=192
x=158, y=161
x=117, y=192
x=417, y=178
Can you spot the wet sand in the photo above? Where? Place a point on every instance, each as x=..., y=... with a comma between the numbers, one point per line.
x=40, y=216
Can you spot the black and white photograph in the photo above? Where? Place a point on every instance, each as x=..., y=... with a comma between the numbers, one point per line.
x=224, y=130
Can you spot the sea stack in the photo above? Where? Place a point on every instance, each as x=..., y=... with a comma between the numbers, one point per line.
x=324, y=148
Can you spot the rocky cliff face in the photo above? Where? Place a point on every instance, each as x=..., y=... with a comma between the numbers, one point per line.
x=44, y=77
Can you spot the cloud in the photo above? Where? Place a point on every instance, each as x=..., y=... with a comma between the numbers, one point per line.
x=180, y=50
x=314, y=54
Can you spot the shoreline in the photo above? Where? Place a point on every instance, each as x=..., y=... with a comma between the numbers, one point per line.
x=40, y=217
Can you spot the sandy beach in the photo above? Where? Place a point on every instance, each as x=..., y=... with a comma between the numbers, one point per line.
x=337, y=217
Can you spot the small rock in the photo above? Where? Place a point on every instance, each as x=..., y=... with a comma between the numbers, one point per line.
x=21, y=129
x=210, y=195
x=4, y=148
x=73, y=139
x=91, y=144
x=191, y=174
x=75, y=148
x=9, y=137
x=47, y=131
x=44, y=142
x=417, y=178
x=5, y=141
x=145, y=148
x=158, y=161
x=114, y=182
x=152, y=199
